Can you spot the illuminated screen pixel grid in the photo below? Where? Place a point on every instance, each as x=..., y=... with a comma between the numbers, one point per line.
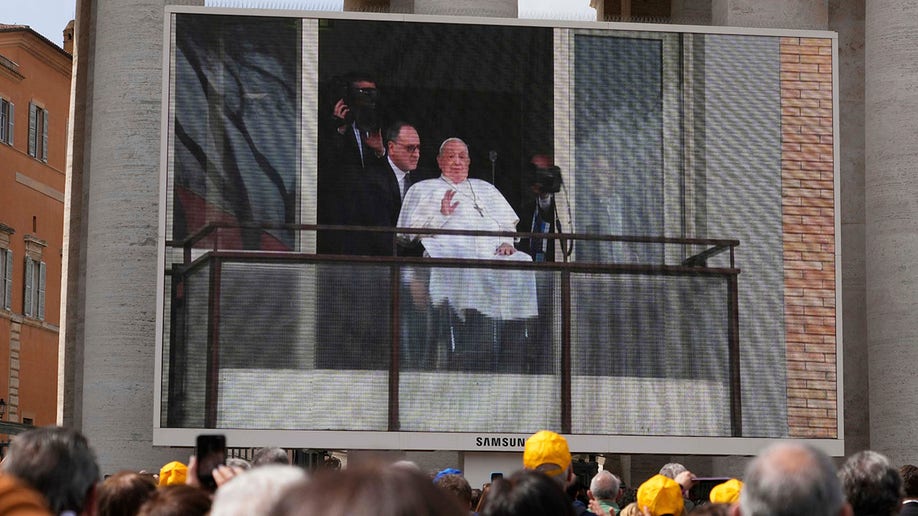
x=274, y=325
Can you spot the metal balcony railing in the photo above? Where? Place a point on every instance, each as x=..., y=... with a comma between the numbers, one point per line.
x=207, y=251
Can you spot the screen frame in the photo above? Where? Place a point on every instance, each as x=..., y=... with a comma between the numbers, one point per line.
x=396, y=440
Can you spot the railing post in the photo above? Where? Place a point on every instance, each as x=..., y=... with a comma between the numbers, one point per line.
x=566, y=351
x=212, y=386
x=736, y=398
x=395, y=339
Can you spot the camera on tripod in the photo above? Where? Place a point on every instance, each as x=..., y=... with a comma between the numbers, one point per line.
x=545, y=179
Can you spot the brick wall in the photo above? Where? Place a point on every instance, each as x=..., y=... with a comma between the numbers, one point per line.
x=808, y=195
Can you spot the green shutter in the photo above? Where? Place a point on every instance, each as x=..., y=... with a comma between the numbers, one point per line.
x=27, y=297
x=32, y=128
x=8, y=279
x=44, y=135
x=41, y=290
x=10, y=123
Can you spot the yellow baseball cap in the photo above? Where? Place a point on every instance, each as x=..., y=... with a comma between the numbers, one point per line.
x=728, y=492
x=173, y=473
x=661, y=495
x=547, y=452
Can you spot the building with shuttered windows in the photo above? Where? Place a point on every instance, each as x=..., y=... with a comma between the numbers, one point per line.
x=34, y=106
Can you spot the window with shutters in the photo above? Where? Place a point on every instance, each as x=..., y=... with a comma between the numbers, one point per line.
x=6, y=268
x=38, y=132
x=6, y=279
x=6, y=121
x=33, y=301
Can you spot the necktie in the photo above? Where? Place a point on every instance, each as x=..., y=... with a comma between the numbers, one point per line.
x=406, y=182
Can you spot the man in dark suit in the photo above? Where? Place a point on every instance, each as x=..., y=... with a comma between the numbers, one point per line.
x=380, y=192
x=378, y=203
x=350, y=142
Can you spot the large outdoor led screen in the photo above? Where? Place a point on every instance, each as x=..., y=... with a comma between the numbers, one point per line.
x=623, y=235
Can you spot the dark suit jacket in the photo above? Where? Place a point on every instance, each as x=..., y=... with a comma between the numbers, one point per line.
x=341, y=173
x=377, y=203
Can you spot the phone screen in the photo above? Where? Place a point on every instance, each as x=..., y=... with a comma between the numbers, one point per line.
x=210, y=451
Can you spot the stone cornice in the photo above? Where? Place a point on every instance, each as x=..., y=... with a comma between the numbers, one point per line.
x=38, y=46
x=10, y=69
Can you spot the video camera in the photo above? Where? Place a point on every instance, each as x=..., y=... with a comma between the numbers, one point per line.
x=548, y=179
x=361, y=102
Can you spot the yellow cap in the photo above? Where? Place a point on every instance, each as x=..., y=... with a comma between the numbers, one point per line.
x=728, y=492
x=661, y=495
x=173, y=473
x=547, y=452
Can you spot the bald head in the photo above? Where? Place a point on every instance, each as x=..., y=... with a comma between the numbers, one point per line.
x=604, y=486
x=792, y=479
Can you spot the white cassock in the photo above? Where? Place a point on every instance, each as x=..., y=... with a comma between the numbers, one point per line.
x=499, y=293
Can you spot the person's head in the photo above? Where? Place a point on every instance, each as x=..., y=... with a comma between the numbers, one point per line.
x=604, y=486
x=123, y=493
x=177, y=500
x=483, y=499
x=909, y=474
x=403, y=145
x=238, y=462
x=367, y=490
x=255, y=491
x=791, y=479
x=727, y=492
x=871, y=485
x=672, y=470
x=265, y=456
x=173, y=473
x=661, y=495
x=361, y=87
x=542, y=160
x=547, y=452
x=58, y=463
x=476, y=496
x=453, y=160
x=527, y=493
x=458, y=486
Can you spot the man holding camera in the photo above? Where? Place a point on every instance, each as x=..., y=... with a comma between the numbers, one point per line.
x=350, y=143
x=357, y=122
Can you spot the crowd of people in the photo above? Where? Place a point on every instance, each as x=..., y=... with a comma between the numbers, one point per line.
x=53, y=470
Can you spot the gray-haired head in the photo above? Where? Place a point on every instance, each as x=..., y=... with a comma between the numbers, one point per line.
x=264, y=456
x=450, y=140
x=871, y=485
x=672, y=470
x=604, y=486
x=255, y=491
x=238, y=462
x=407, y=465
x=791, y=479
x=57, y=462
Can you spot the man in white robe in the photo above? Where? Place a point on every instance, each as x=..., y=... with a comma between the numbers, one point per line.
x=453, y=201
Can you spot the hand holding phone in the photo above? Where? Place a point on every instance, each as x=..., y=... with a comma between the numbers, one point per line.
x=210, y=452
